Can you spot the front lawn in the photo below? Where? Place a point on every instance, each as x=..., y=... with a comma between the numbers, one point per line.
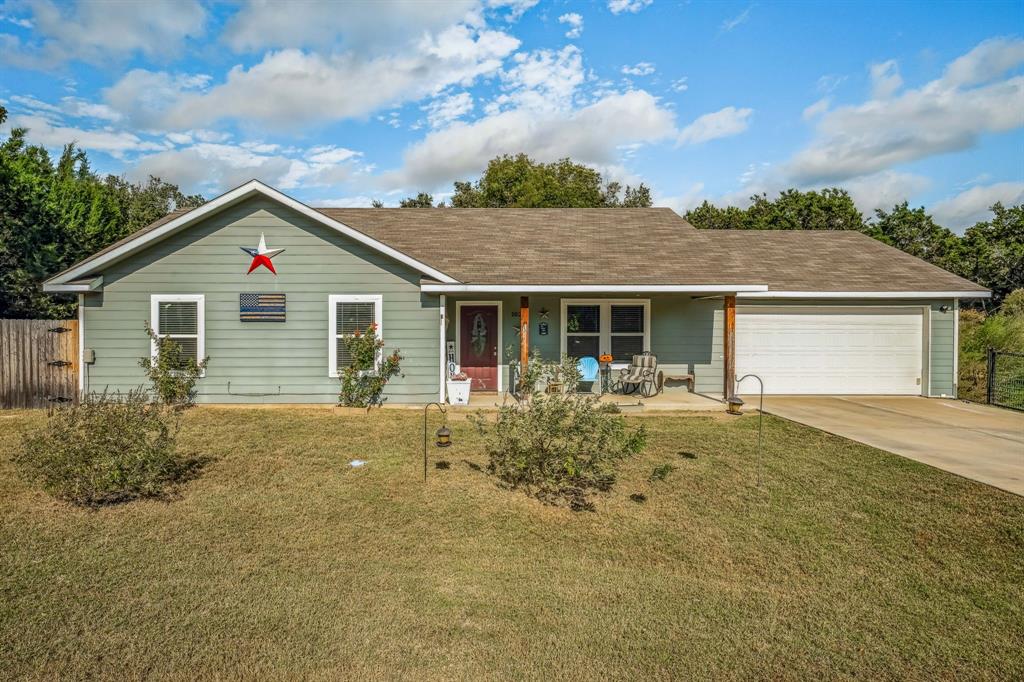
x=281, y=561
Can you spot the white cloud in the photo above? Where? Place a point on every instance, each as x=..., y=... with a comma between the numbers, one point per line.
x=17, y=21
x=944, y=115
x=96, y=31
x=679, y=85
x=987, y=61
x=884, y=189
x=692, y=197
x=359, y=201
x=575, y=23
x=632, y=6
x=542, y=80
x=722, y=123
x=214, y=167
x=730, y=24
x=262, y=24
x=885, y=79
x=591, y=135
x=516, y=7
x=816, y=109
x=54, y=135
x=971, y=206
x=639, y=69
x=443, y=110
x=289, y=88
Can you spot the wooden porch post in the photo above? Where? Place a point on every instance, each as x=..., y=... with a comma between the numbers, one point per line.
x=729, y=337
x=524, y=331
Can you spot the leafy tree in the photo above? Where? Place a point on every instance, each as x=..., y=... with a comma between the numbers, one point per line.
x=912, y=230
x=421, y=200
x=992, y=252
x=55, y=214
x=377, y=203
x=829, y=209
x=520, y=182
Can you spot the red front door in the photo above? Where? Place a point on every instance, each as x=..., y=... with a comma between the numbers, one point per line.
x=478, y=345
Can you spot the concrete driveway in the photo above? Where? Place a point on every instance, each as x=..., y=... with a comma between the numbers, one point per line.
x=975, y=441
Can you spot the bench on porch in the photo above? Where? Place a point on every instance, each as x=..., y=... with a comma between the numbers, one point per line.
x=662, y=378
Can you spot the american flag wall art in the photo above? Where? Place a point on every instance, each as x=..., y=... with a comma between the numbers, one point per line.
x=261, y=307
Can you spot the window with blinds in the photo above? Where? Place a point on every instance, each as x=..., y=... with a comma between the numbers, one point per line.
x=179, y=317
x=594, y=327
x=627, y=331
x=350, y=314
x=351, y=317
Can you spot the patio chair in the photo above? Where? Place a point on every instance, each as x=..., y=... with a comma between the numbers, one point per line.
x=641, y=375
x=589, y=370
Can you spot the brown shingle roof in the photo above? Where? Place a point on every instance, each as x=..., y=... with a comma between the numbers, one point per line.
x=640, y=246
x=630, y=246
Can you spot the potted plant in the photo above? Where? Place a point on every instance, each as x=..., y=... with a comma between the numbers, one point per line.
x=458, y=388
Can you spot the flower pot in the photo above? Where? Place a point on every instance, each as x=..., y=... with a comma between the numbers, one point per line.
x=458, y=391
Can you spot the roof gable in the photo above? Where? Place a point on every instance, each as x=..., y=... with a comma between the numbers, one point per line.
x=180, y=220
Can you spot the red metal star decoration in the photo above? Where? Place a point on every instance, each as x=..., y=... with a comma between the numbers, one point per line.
x=261, y=255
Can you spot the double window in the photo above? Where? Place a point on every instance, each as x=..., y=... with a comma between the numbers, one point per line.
x=180, y=317
x=349, y=314
x=595, y=327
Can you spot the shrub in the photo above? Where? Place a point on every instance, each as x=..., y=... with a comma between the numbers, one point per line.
x=363, y=381
x=106, y=450
x=172, y=374
x=1003, y=330
x=558, y=447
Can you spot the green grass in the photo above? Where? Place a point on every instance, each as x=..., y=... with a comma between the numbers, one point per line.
x=280, y=562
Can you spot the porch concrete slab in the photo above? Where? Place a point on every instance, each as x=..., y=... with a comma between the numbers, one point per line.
x=979, y=442
x=669, y=400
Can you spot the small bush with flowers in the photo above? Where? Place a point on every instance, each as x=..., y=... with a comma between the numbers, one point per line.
x=364, y=379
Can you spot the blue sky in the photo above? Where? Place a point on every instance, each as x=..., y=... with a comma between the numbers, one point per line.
x=340, y=103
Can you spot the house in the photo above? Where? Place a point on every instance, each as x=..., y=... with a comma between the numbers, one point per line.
x=267, y=287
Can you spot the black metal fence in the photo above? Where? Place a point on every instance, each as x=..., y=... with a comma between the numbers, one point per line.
x=1005, y=379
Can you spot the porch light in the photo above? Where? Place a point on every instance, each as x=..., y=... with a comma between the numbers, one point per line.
x=734, y=404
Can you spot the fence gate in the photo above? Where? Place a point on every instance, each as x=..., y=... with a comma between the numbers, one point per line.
x=1005, y=379
x=38, y=362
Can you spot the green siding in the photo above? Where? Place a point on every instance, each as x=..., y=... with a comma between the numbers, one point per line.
x=686, y=332
x=257, y=358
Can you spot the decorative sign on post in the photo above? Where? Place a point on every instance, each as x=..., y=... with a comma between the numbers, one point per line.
x=261, y=307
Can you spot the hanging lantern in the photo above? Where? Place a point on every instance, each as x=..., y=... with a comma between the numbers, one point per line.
x=735, y=403
x=444, y=437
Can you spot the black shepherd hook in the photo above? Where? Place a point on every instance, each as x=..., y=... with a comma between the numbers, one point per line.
x=443, y=435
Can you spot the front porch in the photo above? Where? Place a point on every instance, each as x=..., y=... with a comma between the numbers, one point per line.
x=690, y=332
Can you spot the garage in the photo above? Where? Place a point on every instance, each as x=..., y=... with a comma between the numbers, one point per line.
x=832, y=351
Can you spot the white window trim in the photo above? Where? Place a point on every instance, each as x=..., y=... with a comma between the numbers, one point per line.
x=154, y=320
x=502, y=366
x=332, y=323
x=605, y=335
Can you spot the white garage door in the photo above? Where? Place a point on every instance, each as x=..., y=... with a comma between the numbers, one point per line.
x=831, y=351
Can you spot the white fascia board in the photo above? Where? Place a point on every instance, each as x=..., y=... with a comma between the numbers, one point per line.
x=866, y=294
x=592, y=288
x=95, y=284
x=235, y=196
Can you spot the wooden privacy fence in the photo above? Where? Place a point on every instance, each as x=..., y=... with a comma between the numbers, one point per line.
x=38, y=362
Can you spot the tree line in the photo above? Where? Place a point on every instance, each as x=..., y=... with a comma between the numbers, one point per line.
x=56, y=212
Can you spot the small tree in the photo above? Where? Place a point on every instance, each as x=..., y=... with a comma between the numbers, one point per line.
x=558, y=447
x=172, y=373
x=364, y=379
